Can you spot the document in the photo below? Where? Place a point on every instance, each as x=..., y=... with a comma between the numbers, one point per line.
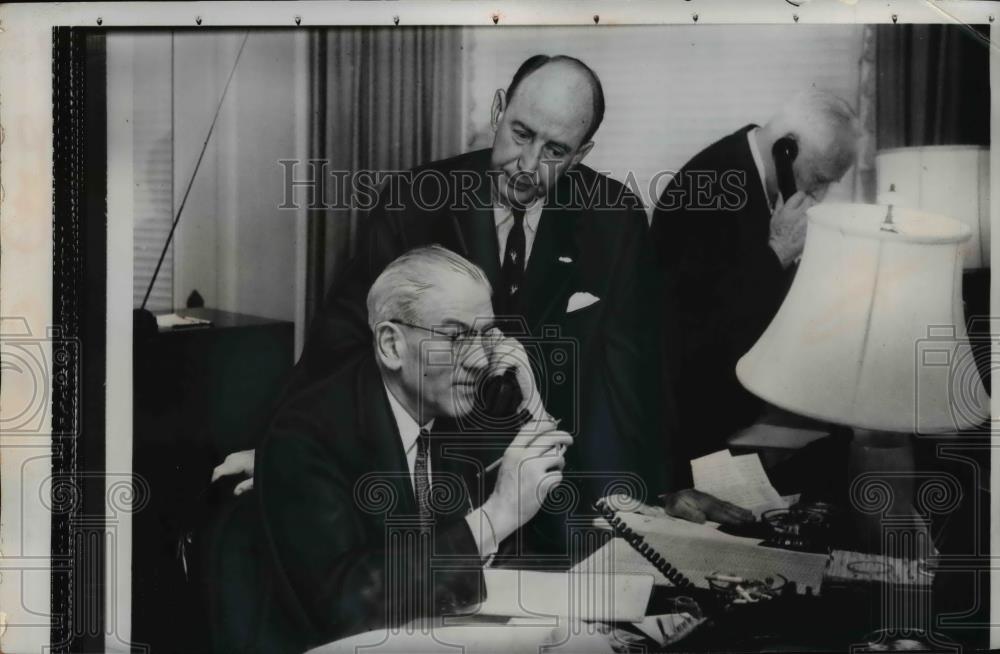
x=740, y=480
x=589, y=597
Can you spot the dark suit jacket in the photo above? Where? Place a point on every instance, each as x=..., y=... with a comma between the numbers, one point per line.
x=590, y=239
x=340, y=551
x=710, y=230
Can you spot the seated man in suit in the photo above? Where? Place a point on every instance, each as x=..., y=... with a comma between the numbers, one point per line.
x=726, y=244
x=366, y=513
x=563, y=247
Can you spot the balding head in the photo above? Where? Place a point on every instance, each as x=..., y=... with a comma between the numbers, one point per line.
x=543, y=124
x=575, y=71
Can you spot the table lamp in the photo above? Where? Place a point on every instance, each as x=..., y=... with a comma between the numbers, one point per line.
x=951, y=180
x=872, y=336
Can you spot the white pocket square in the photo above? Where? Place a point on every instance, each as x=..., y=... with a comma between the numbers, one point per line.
x=565, y=260
x=579, y=301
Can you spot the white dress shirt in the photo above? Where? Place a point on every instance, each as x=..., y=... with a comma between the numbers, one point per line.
x=761, y=172
x=409, y=432
x=503, y=218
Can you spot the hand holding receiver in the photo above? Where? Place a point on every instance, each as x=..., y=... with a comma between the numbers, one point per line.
x=506, y=353
x=788, y=228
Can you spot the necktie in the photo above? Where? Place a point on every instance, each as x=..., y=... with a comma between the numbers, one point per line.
x=512, y=271
x=421, y=479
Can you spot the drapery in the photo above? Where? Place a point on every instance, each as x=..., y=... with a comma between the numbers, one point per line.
x=380, y=99
x=933, y=85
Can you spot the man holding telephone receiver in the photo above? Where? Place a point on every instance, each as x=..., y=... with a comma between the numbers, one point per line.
x=366, y=514
x=565, y=250
x=728, y=231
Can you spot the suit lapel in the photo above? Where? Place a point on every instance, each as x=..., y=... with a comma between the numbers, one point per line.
x=383, y=434
x=449, y=475
x=551, y=265
x=474, y=225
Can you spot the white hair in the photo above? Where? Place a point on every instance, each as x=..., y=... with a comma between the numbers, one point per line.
x=397, y=292
x=824, y=120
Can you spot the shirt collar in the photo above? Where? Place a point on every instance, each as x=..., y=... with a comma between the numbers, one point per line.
x=532, y=214
x=759, y=163
x=409, y=430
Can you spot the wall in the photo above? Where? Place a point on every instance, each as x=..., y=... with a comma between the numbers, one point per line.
x=234, y=245
x=671, y=90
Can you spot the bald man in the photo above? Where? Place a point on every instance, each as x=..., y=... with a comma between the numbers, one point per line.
x=726, y=243
x=564, y=249
x=560, y=245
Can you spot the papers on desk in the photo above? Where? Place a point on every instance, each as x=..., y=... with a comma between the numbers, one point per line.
x=169, y=321
x=476, y=638
x=847, y=568
x=697, y=551
x=740, y=480
x=697, y=559
x=669, y=525
x=534, y=594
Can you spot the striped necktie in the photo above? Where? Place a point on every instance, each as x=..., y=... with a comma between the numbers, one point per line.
x=421, y=478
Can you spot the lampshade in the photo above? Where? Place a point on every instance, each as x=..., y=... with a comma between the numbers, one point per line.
x=951, y=180
x=871, y=333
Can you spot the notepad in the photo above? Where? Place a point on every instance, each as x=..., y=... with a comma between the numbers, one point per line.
x=592, y=597
x=698, y=558
x=666, y=524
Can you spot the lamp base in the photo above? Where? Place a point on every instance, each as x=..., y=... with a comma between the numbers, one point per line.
x=882, y=470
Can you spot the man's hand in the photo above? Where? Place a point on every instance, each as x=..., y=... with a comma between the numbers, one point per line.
x=506, y=353
x=788, y=228
x=693, y=505
x=531, y=468
x=237, y=463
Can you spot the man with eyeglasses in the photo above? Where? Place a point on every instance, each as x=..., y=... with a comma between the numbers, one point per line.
x=367, y=516
x=564, y=249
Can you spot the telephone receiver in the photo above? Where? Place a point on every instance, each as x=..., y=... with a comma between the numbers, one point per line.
x=784, y=152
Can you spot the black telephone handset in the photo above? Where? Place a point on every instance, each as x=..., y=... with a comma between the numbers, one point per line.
x=784, y=152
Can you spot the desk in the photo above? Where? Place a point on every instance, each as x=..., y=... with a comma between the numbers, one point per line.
x=833, y=622
x=198, y=394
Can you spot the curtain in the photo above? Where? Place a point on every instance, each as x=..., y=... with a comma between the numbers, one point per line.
x=380, y=99
x=864, y=181
x=933, y=85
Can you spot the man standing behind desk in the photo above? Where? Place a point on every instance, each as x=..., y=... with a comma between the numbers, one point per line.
x=366, y=514
x=564, y=248
x=727, y=243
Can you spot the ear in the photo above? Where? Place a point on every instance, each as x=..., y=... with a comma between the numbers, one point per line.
x=499, y=106
x=581, y=152
x=389, y=345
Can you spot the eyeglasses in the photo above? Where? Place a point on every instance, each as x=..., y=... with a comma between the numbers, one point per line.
x=459, y=339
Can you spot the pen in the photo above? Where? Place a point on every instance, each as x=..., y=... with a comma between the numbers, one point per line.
x=496, y=464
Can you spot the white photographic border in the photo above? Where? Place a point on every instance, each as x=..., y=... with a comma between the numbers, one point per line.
x=26, y=212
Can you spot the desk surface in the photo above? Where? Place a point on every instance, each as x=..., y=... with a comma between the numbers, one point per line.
x=221, y=318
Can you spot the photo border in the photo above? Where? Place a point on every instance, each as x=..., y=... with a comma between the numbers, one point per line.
x=45, y=257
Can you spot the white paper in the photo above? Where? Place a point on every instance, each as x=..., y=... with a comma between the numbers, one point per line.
x=534, y=594
x=740, y=480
